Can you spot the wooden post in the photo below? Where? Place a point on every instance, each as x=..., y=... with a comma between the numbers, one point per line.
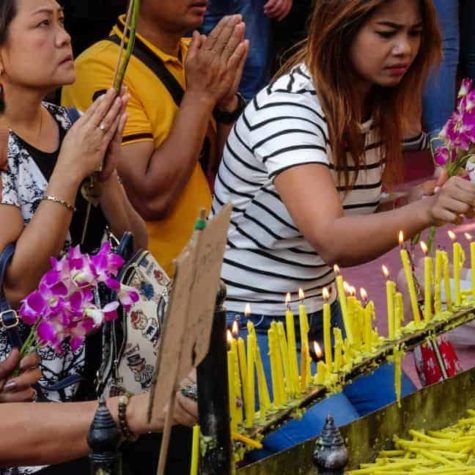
x=213, y=397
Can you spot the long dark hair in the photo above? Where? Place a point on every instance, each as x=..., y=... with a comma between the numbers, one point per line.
x=8, y=11
x=326, y=52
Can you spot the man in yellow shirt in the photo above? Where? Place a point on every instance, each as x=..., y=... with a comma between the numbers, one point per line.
x=182, y=105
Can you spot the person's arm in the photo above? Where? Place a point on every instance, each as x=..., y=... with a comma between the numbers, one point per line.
x=312, y=200
x=155, y=177
x=50, y=433
x=81, y=154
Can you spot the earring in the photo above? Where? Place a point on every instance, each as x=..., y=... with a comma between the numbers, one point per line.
x=2, y=100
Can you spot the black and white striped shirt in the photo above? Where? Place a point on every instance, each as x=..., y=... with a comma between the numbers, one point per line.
x=266, y=255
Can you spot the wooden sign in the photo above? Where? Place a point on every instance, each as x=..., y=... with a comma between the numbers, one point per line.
x=187, y=329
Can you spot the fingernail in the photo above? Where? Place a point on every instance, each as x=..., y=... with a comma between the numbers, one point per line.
x=10, y=386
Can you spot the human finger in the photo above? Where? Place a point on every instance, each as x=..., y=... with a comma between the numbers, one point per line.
x=186, y=411
x=285, y=10
x=215, y=33
x=234, y=40
x=26, y=395
x=111, y=116
x=108, y=99
x=195, y=45
x=225, y=34
x=23, y=381
x=30, y=361
x=238, y=59
x=8, y=366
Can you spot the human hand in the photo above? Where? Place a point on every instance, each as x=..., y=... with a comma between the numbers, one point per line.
x=214, y=64
x=277, y=9
x=113, y=150
x=84, y=147
x=19, y=388
x=453, y=198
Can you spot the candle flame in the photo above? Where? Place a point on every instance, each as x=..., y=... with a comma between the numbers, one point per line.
x=317, y=350
x=229, y=336
x=352, y=291
x=247, y=310
x=385, y=271
x=346, y=287
x=401, y=238
x=468, y=236
x=364, y=295
x=287, y=299
x=235, y=329
x=326, y=294
x=301, y=294
x=424, y=247
x=452, y=235
x=336, y=269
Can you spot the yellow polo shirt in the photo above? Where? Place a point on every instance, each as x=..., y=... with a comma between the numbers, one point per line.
x=151, y=114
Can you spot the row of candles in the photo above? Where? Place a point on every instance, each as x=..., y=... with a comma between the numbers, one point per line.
x=292, y=377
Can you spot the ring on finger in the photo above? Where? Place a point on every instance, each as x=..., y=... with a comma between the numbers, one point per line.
x=102, y=127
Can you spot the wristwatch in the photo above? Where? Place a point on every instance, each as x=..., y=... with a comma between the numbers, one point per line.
x=224, y=117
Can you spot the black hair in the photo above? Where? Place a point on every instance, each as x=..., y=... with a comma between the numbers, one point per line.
x=8, y=11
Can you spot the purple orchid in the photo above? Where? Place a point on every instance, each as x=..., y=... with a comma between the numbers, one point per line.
x=62, y=308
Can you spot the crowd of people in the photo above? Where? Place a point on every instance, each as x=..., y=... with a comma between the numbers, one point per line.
x=304, y=164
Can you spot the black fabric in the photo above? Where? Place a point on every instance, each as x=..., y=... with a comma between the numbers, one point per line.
x=97, y=221
x=152, y=61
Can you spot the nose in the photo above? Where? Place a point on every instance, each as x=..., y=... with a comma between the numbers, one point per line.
x=403, y=46
x=62, y=37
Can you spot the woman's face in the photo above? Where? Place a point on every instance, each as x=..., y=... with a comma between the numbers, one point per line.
x=386, y=46
x=37, y=53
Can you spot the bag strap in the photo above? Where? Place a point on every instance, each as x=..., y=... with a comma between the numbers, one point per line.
x=8, y=317
x=73, y=114
x=156, y=65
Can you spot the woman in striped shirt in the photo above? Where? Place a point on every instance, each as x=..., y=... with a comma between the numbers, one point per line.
x=304, y=167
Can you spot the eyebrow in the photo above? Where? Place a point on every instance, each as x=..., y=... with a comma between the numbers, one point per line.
x=398, y=25
x=48, y=10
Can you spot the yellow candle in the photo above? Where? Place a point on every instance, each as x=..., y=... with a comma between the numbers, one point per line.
x=438, y=280
x=251, y=355
x=458, y=259
x=327, y=341
x=195, y=450
x=447, y=286
x=390, y=292
x=397, y=376
x=292, y=344
x=275, y=367
x=284, y=352
x=398, y=313
x=304, y=329
x=232, y=384
x=338, y=363
x=321, y=373
x=350, y=324
x=410, y=284
x=427, y=284
x=264, y=398
x=368, y=326
x=343, y=302
x=241, y=350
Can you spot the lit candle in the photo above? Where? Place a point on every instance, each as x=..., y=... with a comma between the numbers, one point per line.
x=351, y=304
x=343, y=303
x=439, y=267
x=390, y=291
x=321, y=366
x=327, y=341
x=195, y=450
x=447, y=286
x=231, y=381
x=458, y=258
x=427, y=283
x=472, y=261
x=251, y=394
x=406, y=263
x=368, y=320
x=304, y=352
x=338, y=362
x=292, y=344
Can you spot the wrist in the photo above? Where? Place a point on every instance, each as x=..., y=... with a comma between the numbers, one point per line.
x=201, y=99
x=137, y=414
x=230, y=116
x=230, y=105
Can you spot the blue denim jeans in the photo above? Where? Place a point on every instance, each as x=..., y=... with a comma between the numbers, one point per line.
x=456, y=19
x=258, y=30
x=364, y=395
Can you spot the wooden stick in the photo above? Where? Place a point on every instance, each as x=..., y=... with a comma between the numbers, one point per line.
x=162, y=461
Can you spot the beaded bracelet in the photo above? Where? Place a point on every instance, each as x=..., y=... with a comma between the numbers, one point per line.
x=64, y=203
x=128, y=435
